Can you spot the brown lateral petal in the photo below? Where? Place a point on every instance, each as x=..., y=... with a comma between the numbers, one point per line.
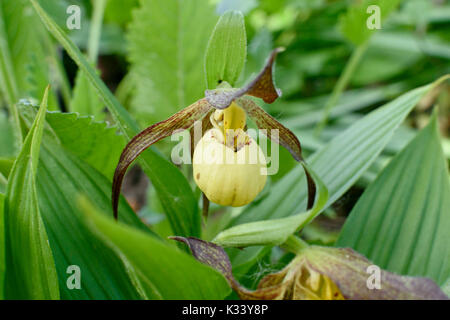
x=183, y=119
x=286, y=138
x=261, y=87
x=265, y=121
x=348, y=269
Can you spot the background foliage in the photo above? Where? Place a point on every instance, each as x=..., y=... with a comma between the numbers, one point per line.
x=373, y=123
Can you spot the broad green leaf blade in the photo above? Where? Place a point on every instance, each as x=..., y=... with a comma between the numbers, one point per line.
x=362, y=14
x=341, y=162
x=176, y=197
x=85, y=100
x=226, y=51
x=165, y=271
x=275, y=231
x=2, y=246
x=167, y=41
x=402, y=220
x=30, y=270
x=61, y=176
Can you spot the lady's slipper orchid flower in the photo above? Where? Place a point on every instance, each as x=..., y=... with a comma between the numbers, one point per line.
x=223, y=183
x=320, y=273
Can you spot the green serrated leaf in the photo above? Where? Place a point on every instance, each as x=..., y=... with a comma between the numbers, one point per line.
x=354, y=24
x=167, y=69
x=165, y=271
x=226, y=51
x=275, y=231
x=401, y=221
x=96, y=143
x=30, y=267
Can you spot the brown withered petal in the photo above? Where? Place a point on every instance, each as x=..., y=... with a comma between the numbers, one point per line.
x=261, y=87
x=183, y=119
x=286, y=138
x=348, y=269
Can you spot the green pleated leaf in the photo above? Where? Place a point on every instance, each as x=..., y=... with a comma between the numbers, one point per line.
x=173, y=189
x=402, y=220
x=166, y=42
x=7, y=143
x=24, y=45
x=165, y=271
x=85, y=100
x=275, y=231
x=61, y=176
x=227, y=50
x=341, y=162
x=30, y=267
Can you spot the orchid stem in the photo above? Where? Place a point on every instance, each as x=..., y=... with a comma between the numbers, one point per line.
x=340, y=86
x=294, y=244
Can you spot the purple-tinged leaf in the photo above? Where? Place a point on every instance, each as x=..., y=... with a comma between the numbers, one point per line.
x=181, y=120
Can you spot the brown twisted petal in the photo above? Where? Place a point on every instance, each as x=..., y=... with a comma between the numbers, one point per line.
x=261, y=87
x=285, y=137
x=181, y=120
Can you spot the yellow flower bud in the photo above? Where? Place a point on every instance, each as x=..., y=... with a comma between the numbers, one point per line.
x=229, y=175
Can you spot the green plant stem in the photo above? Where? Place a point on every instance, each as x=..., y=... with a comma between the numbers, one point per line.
x=341, y=84
x=294, y=244
x=8, y=79
x=95, y=29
